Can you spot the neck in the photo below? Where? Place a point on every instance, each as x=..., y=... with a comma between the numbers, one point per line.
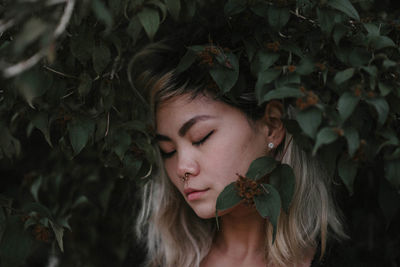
x=242, y=233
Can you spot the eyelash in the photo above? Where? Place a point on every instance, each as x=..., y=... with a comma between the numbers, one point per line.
x=198, y=143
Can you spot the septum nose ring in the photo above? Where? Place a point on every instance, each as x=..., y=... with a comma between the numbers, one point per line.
x=185, y=178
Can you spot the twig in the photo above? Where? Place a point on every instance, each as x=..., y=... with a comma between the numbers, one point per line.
x=33, y=60
x=60, y=73
x=108, y=124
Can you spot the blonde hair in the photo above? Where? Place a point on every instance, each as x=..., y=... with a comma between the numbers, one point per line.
x=175, y=236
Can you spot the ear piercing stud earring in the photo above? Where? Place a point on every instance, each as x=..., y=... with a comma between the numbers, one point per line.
x=270, y=145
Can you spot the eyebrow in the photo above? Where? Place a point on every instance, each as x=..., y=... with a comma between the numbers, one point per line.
x=185, y=127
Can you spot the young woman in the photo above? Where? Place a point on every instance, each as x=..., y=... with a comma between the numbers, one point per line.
x=205, y=140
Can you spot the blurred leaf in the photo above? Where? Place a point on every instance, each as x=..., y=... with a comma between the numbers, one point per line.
x=305, y=67
x=85, y=84
x=102, y=14
x=261, y=167
x=385, y=89
x=346, y=7
x=392, y=173
x=282, y=92
x=381, y=107
x=150, y=20
x=339, y=32
x=41, y=121
x=59, y=233
x=233, y=7
x=101, y=57
x=346, y=104
x=39, y=208
x=353, y=140
x=263, y=61
x=9, y=145
x=15, y=244
x=228, y=198
x=32, y=84
x=186, y=61
x=283, y=179
x=31, y=31
x=79, y=133
x=325, y=136
x=174, y=7
x=35, y=188
x=123, y=141
x=278, y=17
x=347, y=169
x=309, y=120
x=343, y=76
x=263, y=78
x=268, y=205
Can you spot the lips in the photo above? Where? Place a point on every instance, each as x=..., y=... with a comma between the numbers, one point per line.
x=193, y=194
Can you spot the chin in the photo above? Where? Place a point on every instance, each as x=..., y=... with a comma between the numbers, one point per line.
x=204, y=213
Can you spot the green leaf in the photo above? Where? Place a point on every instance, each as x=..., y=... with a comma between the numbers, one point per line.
x=85, y=84
x=260, y=8
x=15, y=244
x=345, y=6
x=264, y=78
x=150, y=20
x=260, y=167
x=174, y=7
x=384, y=88
x=123, y=142
x=283, y=179
x=346, y=104
x=233, y=7
x=186, y=61
x=79, y=133
x=228, y=198
x=35, y=188
x=347, y=170
x=278, y=17
x=31, y=31
x=102, y=14
x=226, y=77
x=381, y=42
x=41, y=122
x=101, y=58
x=325, y=136
x=39, y=208
x=339, y=32
x=59, y=233
x=309, y=120
x=382, y=108
x=269, y=205
x=281, y=93
x=9, y=145
x=343, y=76
x=392, y=173
x=32, y=84
x=263, y=61
x=305, y=67
x=353, y=139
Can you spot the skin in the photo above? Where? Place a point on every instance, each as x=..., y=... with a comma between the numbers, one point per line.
x=212, y=142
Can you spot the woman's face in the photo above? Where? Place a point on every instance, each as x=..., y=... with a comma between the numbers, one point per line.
x=210, y=141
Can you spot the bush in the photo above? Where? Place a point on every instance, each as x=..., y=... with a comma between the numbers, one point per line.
x=75, y=132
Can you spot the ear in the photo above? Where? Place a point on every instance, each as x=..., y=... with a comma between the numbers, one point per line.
x=275, y=131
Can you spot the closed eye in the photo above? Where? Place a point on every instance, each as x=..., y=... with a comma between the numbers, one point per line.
x=166, y=155
x=200, y=142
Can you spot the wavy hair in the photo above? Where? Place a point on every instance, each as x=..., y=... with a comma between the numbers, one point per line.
x=175, y=236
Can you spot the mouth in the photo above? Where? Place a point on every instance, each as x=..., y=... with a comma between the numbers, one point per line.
x=194, y=194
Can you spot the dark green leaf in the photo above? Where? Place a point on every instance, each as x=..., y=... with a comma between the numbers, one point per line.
x=344, y=75
x=41, y=122
x=305, y=67
x=59, y=233
x=309, y=120
x=269, y=205
x=150, y=20
x=233, y=7
x=31, y=31
x=381, y=107
x=15, y=244
x=384, y=88
x=339, y=32
x=174, y=7
x=35, y=188
x=39, y=208
x=346, y=7
x=85, y=84
x=325, y=136
x=123, y=142
x=263, y=61
x=101, y=57
x=102, y=14
x=228, y=198
x=79, y=133
x=265, y=77
x=283, y=179
x=392, y=172
x=281, y=93
x=347, y=169
x=278, y=17
x=260, y=167
x=226, y=77
x=186, y=61
x=346, y=104
x=353, y=139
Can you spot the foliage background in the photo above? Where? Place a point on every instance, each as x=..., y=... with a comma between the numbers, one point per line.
x=75, y=135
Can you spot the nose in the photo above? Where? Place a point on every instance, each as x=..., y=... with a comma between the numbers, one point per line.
x=187, y=163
